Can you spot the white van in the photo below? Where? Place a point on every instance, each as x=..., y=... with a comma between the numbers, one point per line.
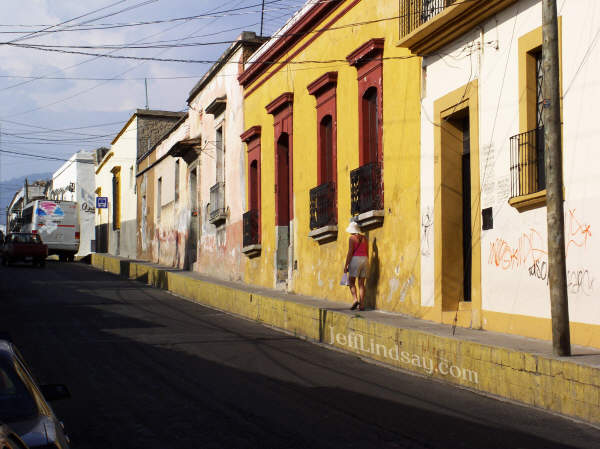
x=57, y=223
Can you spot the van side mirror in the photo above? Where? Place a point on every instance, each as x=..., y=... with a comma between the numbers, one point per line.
x=54, y=392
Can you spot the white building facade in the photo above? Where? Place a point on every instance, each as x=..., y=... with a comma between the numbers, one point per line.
x=482, y=173
x=75, y=181
x=116, y=226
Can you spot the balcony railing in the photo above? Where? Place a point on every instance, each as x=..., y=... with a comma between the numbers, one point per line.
x=323, y=211
x=250, y=222
x=217, y=202
x=527, y=169
x=417, y=12
x=366, y=188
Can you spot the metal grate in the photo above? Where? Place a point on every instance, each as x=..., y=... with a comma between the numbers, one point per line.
x=250, y=222
x=323, y=206
x=527, y=169
x=217, y=199
x=366, y=188
x=417, y=12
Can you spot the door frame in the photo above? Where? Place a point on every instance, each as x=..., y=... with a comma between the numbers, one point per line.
x=465, y=314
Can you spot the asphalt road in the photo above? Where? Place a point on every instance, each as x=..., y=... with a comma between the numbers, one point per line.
x=149, y=370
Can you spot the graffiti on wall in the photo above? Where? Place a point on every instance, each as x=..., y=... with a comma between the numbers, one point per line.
x=529, y=252
x=426, y=231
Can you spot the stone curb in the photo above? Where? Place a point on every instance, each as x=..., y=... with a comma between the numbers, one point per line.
x=555, y=384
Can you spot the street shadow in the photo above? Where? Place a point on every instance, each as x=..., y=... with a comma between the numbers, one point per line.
x=148, y=370
x=372, y=284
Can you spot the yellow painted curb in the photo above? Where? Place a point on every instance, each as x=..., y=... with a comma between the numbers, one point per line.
x=554, y=384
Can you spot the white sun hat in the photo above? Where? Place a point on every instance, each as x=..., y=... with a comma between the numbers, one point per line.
x=353, y=228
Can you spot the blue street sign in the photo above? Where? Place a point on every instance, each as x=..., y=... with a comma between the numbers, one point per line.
x=101, y=202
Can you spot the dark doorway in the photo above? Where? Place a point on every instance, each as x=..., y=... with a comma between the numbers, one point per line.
x=467, y=237
x=283, y=207
x=192, y=240
x=456, y=210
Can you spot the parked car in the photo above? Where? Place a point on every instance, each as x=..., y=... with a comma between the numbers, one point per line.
x=24, y=404
x=9, y=439
x=24, y=246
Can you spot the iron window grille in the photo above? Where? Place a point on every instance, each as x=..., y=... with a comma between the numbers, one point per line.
x=250, y=223
x=527, y=169
x=417, y=12
x=366, y=188
x=323, y=206
x=217, y=200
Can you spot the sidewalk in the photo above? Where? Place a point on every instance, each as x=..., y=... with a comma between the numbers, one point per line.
x=512, y=367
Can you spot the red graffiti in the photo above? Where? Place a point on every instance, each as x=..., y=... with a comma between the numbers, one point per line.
x=577, y=232
x=529, y=248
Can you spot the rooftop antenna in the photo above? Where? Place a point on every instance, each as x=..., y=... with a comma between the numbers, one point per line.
x=262, y=15
x=146, y=86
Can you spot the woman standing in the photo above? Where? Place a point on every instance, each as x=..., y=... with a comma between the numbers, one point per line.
x=357, y=263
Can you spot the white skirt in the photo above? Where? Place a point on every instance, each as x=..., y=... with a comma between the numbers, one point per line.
x=358, y=267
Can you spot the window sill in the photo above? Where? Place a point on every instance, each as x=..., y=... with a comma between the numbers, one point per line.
x=218, y=217
x=324, y=234
x=527, y=202
x=371, y=219
x=252, y=250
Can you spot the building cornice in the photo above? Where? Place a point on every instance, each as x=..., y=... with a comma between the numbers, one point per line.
x=293, y=35
x=373, y=47
x=250, y=133
x=325, y=81
x=280, y=102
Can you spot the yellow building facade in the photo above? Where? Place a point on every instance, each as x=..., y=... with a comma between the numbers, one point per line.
x=332, y=120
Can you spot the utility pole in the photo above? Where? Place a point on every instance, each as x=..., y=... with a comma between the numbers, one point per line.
x=557, y=271
x=146, y=87
x=262, y=14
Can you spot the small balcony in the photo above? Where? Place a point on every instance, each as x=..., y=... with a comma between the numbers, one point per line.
x=323, y=212
x=425, y=26
x=218, y=212
x=366, y=194
x=251, y=243
x=527, y=166
x=417, y=12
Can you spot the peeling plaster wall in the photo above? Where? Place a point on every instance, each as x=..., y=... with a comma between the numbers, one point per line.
x=219, y=249
x=163, y=240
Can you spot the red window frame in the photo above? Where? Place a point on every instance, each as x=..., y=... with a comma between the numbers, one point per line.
x=368, y=60
x=282, y=110
x=252, y=139
x=324, y=90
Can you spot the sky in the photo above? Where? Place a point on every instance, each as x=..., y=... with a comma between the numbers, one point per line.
x=55, y=101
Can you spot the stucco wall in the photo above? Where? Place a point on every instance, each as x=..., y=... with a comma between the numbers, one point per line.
x=81, y=174
x=515, y=294
x=223, y=242
x=394, y=276
x=121, y=242
x=165, y=238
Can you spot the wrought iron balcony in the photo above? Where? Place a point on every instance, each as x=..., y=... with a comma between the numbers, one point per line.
x=527, y=169
x=417, y=12
x=250, y=223
x=366, y=189
x=217, y=203
x=323, y=210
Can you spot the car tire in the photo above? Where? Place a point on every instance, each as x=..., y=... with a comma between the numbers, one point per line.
x=42, y=263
